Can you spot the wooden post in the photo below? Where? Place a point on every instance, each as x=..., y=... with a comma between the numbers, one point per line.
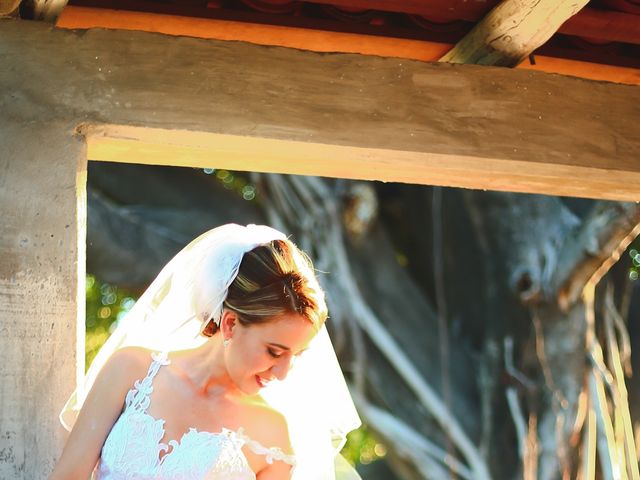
x=512, y=31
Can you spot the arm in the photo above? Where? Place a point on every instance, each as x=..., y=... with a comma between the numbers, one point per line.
x=277, y=434
x=100, y=411
x=278, y=470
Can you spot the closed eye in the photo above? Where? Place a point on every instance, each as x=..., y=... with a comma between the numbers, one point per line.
x=273, y=353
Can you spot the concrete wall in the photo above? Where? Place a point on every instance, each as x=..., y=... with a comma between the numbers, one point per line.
x=358, y=116
x=42, y=174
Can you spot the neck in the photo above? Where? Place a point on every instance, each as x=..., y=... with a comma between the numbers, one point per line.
x=204, y=367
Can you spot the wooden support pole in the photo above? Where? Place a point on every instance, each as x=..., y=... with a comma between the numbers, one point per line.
x=512, y=31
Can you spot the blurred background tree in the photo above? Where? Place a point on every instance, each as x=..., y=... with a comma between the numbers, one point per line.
x=459, y=317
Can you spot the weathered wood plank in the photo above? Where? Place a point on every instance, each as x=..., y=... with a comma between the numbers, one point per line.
x=243, y=153
x=74, y=17
x=546, y=132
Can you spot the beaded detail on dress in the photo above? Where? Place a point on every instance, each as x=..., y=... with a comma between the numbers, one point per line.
x=134, y=448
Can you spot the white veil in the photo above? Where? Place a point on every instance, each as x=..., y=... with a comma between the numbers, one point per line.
x=170, y=316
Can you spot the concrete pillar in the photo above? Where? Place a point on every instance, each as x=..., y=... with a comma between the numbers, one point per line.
x=42, y=231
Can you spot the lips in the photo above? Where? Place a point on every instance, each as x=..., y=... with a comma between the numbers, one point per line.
x=261, y=381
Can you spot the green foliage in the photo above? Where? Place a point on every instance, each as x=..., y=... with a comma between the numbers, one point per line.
x=362, y=447
x=634, y=253
x=106, y=304
x=235, y=181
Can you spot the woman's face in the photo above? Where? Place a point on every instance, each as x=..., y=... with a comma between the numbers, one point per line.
x=260, y=353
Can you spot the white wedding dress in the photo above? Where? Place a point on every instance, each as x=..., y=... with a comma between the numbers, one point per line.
x=133, y=449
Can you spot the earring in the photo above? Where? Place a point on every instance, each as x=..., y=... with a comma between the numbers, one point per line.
x=226, y=342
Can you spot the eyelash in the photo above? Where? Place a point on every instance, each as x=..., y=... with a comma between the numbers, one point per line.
x=273, y=353
x=278, y=355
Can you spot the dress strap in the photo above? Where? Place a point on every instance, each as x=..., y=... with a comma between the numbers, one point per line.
x=138, y=396
x=271, y=454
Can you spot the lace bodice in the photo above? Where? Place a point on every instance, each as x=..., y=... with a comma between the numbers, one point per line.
x=134, y=448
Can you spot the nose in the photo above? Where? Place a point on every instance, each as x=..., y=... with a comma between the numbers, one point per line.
x=282, y=367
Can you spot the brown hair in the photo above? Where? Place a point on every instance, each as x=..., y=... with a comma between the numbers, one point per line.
x=274, y=279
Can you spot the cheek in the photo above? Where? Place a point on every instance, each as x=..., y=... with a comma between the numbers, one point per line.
x=249, y=361
x=244, y=366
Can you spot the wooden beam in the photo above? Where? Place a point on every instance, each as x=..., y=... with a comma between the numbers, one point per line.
x=74, y=17
x=354, y=116
x=577, y=68
x=512, y=31
x=114, y=143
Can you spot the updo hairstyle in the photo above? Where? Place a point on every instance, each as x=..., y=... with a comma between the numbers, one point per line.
x=274, y=279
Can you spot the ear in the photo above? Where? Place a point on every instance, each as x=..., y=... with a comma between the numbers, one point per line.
x=228, y=321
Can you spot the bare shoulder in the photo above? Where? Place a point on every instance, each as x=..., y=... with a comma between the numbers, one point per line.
x=125, y=366
x=130, y=361
x=133, y=357
x=268, y=426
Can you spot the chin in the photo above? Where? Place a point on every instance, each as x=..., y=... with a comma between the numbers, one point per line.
x=249, y=386
x=256, y=384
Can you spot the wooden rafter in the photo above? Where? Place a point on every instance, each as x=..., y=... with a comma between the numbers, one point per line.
x=512, y=31
x=8, y=6
x=74, y=17
x=46, y=10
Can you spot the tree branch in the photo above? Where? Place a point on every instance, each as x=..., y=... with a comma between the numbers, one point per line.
x=598, y=244
x=425, y=454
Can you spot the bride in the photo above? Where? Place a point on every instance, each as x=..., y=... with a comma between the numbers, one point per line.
x=198, y=380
